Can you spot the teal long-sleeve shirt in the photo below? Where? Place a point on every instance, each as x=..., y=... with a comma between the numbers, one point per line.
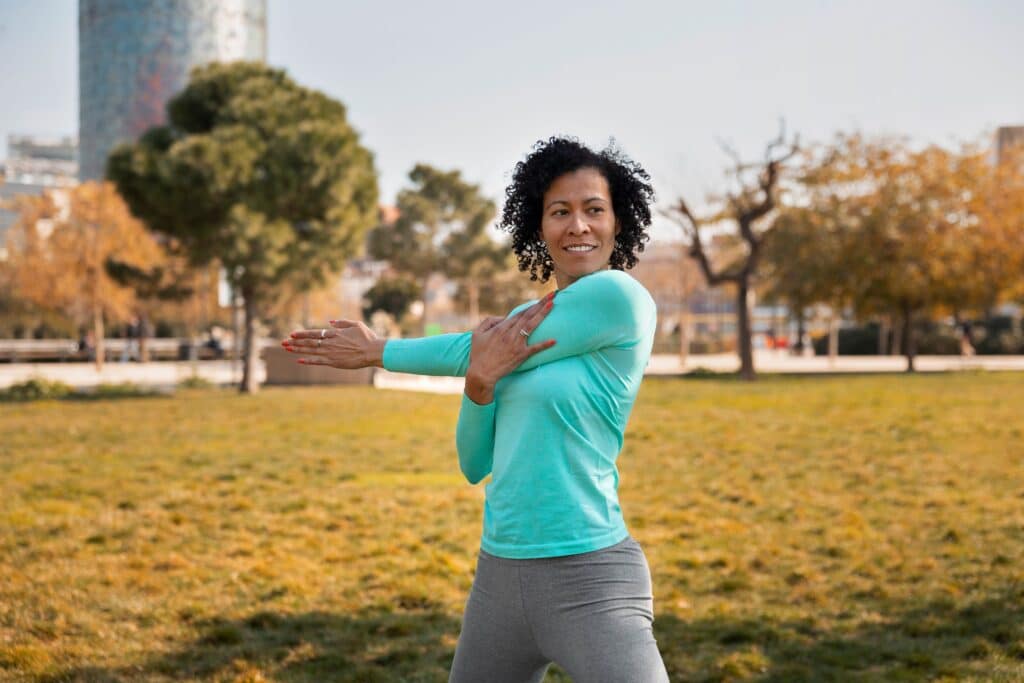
x=552, y=434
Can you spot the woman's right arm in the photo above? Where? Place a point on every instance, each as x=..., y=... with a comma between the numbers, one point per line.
x=474, y=439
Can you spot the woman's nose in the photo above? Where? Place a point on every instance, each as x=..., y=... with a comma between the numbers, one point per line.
x=578, y=224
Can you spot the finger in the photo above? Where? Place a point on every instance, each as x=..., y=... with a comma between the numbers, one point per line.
x=532, y=316
x=318, y=333
x=314, y=361
x=489, y=323
x=343, y=324
x=538, y=347
x=539, y=311
x=314, y=343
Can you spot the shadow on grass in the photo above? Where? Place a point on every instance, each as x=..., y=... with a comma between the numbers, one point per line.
x=368, y=647
x=915, y=643
x=919, y=643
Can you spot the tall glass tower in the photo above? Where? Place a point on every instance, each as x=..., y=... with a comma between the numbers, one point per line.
x=134, y=55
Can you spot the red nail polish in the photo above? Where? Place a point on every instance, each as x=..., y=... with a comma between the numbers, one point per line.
x=548, y=305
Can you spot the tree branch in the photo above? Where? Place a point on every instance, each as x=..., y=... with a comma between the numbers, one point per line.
x=682, y=215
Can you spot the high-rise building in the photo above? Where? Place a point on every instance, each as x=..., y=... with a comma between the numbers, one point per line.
x=1007, y=137
x=134, y=55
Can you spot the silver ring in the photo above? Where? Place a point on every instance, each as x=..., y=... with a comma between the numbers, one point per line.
x=323, y=332
x=524, y=333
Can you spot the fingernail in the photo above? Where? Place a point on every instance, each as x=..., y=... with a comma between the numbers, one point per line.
x=332, y=321
x=548, y=305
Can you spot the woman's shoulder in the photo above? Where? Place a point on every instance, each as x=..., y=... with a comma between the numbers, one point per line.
x=617, y=284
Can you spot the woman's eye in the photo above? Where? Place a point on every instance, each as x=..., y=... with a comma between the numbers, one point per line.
x=596, y=209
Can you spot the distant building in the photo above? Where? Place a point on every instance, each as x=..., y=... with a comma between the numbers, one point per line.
x=133, y=55
x=34, y=164
x=1007, y=137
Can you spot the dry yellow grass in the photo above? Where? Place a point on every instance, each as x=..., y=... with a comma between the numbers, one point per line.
x=840, y=529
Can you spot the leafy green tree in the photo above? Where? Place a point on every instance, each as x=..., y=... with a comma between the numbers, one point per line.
x=441, y=228
x=393, y=295
x=257, y=172
x=501, y=289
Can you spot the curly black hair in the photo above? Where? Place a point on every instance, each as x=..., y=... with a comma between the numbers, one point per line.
x=631, y=194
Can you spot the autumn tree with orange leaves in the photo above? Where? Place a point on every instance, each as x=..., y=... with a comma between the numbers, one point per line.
x=59, y=248
x=904, y=233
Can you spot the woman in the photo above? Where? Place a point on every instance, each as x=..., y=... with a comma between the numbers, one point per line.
x=548, y=392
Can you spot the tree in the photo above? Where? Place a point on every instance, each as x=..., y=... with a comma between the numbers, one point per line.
x=909, y=233
x=257, y=172
x=393, y=295
x=751, y=206
x=166, y=282
x=441, y=228
x=58, y=252
x=797, y=268
x=499, y=290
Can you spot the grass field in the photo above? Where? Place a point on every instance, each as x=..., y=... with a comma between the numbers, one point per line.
x=817, y=529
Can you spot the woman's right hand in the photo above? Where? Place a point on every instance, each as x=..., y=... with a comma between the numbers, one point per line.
x=499, y=346
x=346, y=345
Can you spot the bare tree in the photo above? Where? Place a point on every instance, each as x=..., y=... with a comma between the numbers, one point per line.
x=750, y=206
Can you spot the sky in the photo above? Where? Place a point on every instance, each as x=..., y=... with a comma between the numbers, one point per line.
x=471, y=85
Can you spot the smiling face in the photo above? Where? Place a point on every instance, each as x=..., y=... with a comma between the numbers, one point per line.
x=578, y=224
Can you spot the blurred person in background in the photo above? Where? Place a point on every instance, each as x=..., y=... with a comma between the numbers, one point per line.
x=548, y=392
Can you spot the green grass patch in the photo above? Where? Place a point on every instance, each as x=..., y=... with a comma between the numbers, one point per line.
x=798, y=529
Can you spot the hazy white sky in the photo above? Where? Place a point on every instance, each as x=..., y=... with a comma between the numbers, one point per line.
x=471, y=84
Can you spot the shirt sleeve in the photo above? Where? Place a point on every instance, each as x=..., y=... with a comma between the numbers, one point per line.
x=607, y=308
x=474, y=439
x=445, y=355
x=601, y=310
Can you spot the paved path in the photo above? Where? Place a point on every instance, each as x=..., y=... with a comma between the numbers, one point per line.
x=159, y=375
x=165, y=375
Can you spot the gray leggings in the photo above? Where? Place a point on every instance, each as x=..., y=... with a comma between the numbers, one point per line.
x=591, y=613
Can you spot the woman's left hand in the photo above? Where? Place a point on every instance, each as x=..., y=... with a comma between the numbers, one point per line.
x=500, y=345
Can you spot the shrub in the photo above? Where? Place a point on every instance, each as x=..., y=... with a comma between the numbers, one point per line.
x=121, y=390
x=195, y=382
x=35, y=389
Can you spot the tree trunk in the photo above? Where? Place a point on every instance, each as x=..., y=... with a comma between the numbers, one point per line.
x=250, y=384
x=908, y=337
x=897, y=340
x=801, y=329
x=426, y=282
x=684, y=334
x=833, y=336
x=143, y=338
x=883, y=336
x=98, y=332
x=473, y=289
x=236, y=333
x=744, y=337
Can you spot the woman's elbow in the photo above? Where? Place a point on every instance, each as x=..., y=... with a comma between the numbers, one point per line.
x=473, y=472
